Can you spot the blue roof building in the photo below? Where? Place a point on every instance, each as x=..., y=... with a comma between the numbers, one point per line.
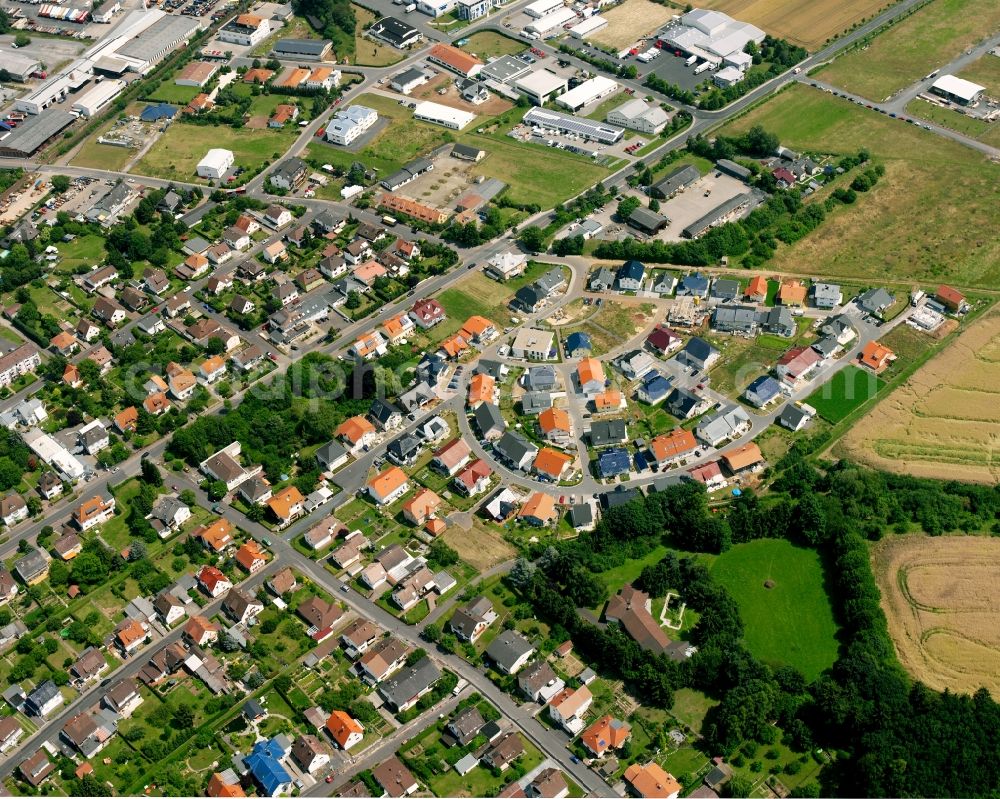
x=629, y=276
x=578, y=345
x=265, y=766
x=654, y=388
x=762, y=390
x=694, y=285
x=154, y=113
x=613, y=463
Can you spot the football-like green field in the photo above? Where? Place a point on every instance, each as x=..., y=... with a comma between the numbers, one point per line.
x=786, y=612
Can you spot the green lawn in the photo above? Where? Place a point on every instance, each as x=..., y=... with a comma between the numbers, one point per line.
x=176, y=154
x=170, y=92
x=534, y=173
x=487, y=44
x=847, y=390
x=928, y=178
x=790, y=623
x=910, y=49
x=619, y=576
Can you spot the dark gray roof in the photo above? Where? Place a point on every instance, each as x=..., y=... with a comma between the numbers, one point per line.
x=607, y=431
x=302, y=46
x=679, y=178
x=507, y=648
x=398, y=690
x=581, y=515
x=488, y=418
x=513, y=447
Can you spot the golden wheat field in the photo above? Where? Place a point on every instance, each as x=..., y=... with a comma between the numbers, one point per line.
x=944, y=422
x=942, y=599
x=808, y=23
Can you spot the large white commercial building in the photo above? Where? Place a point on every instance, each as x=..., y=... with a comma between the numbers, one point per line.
x=710, y=35
x=435, y=8
x=639, y=115
x=541, y=86
x=590, y=91
x=550, y=23
x=67, y=466
x=57, y=87
x=587, y=129
x=350, y=123
x=590, y=25
x=540, y=8
x=96, y=99
x=216, y=163
x=958, y=90
x=18, y=65
x=444, y=115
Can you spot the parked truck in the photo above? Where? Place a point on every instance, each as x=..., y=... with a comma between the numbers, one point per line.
x=702, y=67
x=691, y=60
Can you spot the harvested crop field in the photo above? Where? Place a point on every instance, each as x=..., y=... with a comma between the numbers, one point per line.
x=808, y=23
x=631, y=21
x=938, y=182
x=942, y=599
x=944, y=422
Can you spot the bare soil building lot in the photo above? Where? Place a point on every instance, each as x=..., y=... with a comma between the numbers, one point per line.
x=942, y=599
x=443, y=185
x=805, y=22
x=431, y=91
x=944, y=422
x=631, y=21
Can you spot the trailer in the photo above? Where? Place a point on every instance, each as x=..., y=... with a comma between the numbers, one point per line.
x=704, y=65
x=691, y=61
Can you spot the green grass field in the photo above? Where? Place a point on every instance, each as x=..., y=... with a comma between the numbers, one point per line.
x=179, y=150
x=535, y=174
x=488, y=44
x=939, y=183
x=790, y=623
x=907, y=51
x=170, y=92
x=848, y=389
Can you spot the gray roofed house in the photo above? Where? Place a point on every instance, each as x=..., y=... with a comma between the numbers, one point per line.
x=693, y=285
x=403, y=690
x=826, y=346
x=735, y=319
x=793, y=417
x=404, y=451
x=489, y=420
x=551, y=281
x=540, y=378
x=581, y=516
x=509, y=651
x=495, y=369
x=466, y=724
x=539, y=681
x=724, y=289
x=684, y=403
x=31, y=566
x=629, y=276
x=472, y=619
x=331, y=455
x=303, y=48
x=385, y=414
x=874, y=301
x=826, y=295
x=728, y=423
x=605, y=432
x=698, y=354
x=416, y=397
x=602, y=280
x=43, y=699
x=467, y=153
x=778, y=320
x=534, y=402
x=762, y=391
x=515, y=450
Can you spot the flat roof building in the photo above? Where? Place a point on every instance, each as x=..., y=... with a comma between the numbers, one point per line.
x=96, y=99
x=312, y=49
x=216, y=163
x=159, y=40
x=589, y=129
x=541, y=86
x=444, y=115
x=590, y=91
x=590, y=25
x=504, y=69
x=551, y=22
x=710, y=35
x=19, y=66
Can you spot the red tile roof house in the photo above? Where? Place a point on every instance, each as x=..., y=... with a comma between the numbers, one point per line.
x=427, y=313
x=450, y=458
